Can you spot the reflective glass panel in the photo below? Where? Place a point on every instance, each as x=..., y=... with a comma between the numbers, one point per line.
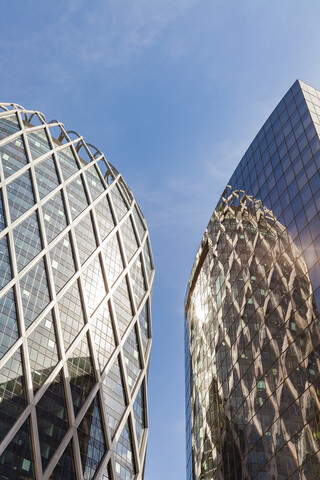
x=13, y=157
x=81, y=374
x=20, y=196
x=34, y=292
x=27, y=241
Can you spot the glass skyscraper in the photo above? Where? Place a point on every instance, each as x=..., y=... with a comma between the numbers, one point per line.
x=252, y=331
x=75, y=290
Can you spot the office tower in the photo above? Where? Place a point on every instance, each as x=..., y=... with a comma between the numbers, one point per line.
x=75, y=333
x=252, y=332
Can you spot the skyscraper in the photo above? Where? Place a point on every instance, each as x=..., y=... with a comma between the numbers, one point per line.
x=252, y=331
x=75, y=292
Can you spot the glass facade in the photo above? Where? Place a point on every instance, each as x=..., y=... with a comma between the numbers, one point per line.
x=252, y=331
x=76, y=281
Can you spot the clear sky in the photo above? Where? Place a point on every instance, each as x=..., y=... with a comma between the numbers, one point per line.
x=173, y=92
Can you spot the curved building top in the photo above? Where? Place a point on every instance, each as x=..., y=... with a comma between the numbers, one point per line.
x=75, y=297
x=280, y=167
x=252, y=334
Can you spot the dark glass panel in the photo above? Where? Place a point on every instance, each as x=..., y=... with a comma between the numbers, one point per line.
x=64, y=469
x=91, y=440
x=81, y=374
x=52, y=419
x=12, y=393
x=8, y=323
x=19, y=454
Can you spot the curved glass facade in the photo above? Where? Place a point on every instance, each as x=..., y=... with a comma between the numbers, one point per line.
x=75, y=292
x=252, y=332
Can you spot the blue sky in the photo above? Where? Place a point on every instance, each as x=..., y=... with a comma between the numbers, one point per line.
x=173, y=92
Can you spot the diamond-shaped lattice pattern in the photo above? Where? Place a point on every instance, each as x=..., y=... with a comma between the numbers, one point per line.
x=252, y=310
x=63, y=320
